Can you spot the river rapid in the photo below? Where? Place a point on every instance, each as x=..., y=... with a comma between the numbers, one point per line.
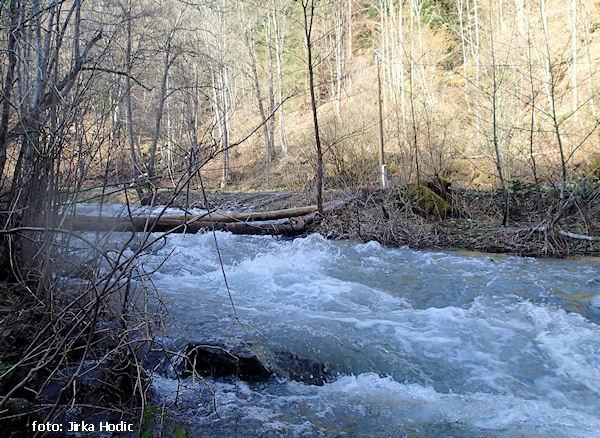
x=417, y=343
x=420, y=343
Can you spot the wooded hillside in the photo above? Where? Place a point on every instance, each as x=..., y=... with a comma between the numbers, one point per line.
x=481, y=92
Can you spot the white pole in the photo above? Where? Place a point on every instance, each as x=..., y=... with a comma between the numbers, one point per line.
x=384, y=176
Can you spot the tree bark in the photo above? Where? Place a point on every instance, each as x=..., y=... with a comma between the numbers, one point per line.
x=8, y=81
x=298, y=220
x=259, y=100
x=158, y=119
x=225, y=122
x=279, y=45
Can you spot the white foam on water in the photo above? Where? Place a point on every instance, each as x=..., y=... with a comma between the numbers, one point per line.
x=367, y=403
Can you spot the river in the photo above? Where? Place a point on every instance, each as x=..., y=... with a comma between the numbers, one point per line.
x=417, y=343
x=420, y=343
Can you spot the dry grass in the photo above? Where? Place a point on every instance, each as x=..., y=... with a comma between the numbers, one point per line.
x=475, y=224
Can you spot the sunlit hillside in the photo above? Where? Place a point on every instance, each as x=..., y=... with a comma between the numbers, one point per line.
x=482, y=93
x=478, y=92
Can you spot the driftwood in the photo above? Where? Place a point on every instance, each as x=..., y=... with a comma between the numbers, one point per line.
x=570, y=235
x=296, y=221
x=578, y=236
x=154, y=224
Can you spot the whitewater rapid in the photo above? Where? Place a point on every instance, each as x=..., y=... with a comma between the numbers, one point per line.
x=420, y=342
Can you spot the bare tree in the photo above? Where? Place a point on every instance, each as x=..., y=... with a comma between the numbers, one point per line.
x=308, y=9
x=257, y=89
x=128, y=95
x=279, y=30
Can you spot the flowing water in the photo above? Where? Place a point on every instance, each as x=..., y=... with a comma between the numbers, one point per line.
x=421, y=343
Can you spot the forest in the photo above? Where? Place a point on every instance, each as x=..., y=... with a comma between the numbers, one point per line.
x=436, y=124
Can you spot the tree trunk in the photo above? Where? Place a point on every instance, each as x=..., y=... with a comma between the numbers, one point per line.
x=574, y=57
x=168, y=61
x=271, y=121
x=8, y=81
x=339, y=60
x=495, y=135
x=259, y=101
x=225, y=122
x=279, y=45
x=129, y=121
x=309, y=11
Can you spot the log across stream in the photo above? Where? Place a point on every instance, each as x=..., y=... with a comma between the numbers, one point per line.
x=292, y=221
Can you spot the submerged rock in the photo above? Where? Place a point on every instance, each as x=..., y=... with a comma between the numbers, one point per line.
x=219, y=360
x=222, y=361
x=291, y=367
x=593, y=309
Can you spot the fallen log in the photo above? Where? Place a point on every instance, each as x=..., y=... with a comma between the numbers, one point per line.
x=578, y=236
x=292, y=225
x=248, y=217
x=153, y=224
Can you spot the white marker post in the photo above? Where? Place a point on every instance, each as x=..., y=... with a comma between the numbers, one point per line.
x=384, y=180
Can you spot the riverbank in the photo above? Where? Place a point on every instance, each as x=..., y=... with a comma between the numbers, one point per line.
x=473, y=221
x=474, y=224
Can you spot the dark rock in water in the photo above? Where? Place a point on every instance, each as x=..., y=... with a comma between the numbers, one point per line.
x=292, y=367
x=106, y=383
x=223, y=361
x=219, y=360
x=86, y=387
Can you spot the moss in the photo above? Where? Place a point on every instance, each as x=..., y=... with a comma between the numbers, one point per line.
x=429, y=201
x=441, y=186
